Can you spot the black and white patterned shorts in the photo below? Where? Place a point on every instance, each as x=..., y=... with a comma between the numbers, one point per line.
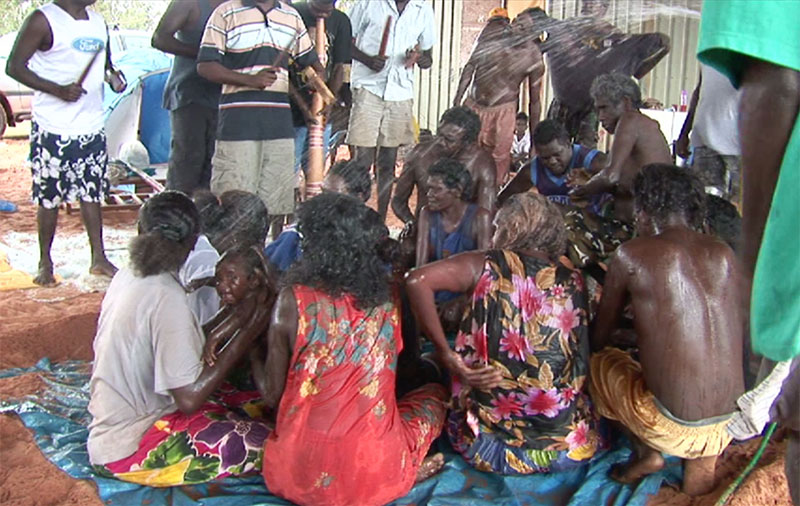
x=68, y=168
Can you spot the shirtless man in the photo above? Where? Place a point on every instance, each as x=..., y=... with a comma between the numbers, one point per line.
x=686, y=292
x=501, y=61
x=455, y=138
x=638, y=141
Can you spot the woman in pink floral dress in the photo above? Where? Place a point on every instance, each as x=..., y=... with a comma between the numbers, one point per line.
x=521, y=358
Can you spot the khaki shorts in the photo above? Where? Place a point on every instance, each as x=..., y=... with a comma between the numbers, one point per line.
x=265, y=168
x=377, y=122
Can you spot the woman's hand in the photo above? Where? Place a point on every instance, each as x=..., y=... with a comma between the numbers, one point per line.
x=482, y=377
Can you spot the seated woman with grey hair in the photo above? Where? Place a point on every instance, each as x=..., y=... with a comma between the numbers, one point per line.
x=521, y=357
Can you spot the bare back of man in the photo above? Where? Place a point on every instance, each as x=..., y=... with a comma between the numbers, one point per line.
x=500, y=68
x=686, y=299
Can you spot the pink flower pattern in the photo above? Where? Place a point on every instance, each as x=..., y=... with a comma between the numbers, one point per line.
x=579, y=436
x=542, y=402
x=515, y=345
x=506, y=406
x=564, y=318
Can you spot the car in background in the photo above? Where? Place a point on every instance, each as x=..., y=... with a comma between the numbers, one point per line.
x=15, y=98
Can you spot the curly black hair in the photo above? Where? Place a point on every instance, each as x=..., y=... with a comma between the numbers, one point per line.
x=549, y=130
x=356, y=178
x=662, y=190
x=465, y=118
x=342, y=244
x=454, y=176
x=723, y=220
x=168, y=227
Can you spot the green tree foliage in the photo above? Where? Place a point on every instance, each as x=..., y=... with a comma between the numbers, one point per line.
x=129, y=14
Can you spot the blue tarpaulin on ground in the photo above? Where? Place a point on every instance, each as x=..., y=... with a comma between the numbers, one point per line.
x=59, y=420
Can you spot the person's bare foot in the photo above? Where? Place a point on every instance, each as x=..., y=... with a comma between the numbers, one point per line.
x=637, y=468
x=45, y=276
x=430, y=466
x=103, y=267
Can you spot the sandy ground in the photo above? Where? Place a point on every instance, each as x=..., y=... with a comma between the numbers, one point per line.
x=60, y=323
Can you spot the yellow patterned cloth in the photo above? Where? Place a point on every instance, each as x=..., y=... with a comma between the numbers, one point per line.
x=619, y=393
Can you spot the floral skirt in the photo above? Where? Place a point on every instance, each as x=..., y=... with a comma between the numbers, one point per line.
x=224, y=437
x=488, y=451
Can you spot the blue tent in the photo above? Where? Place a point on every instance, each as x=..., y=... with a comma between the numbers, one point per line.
x=136, y=113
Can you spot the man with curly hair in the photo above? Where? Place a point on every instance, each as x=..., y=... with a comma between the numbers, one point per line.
x=638, y=141
x=456, y=138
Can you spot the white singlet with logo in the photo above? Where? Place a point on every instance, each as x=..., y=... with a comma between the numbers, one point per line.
x=75, y=41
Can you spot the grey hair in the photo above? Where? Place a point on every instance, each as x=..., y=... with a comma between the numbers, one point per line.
x=616, y=87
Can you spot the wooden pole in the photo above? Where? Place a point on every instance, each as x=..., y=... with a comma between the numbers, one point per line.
x=85, y=72
x=316, y=150
x=385, y=39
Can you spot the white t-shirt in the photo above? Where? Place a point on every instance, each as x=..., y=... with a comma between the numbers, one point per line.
x=147, y=343
x=521, y=146
x=416, y=25
x=716, y=117
x=75, y=41
x=201, y=263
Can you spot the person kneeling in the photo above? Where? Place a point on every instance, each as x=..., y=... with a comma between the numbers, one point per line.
x=686, y=294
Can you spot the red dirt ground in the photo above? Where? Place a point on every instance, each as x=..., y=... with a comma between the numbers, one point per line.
x=60, y=323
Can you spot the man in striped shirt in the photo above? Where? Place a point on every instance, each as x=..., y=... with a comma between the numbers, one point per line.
x=242, y=49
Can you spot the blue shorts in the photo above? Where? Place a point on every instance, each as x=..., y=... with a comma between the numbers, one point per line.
x=68, y=169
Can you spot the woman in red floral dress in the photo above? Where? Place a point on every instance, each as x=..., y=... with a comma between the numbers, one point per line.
x=528, y=323
x=341, y=437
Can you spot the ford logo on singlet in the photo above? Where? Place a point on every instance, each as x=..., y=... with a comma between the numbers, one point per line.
x=88, y=45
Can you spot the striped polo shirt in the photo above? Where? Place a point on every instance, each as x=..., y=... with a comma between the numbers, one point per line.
x=242, y=37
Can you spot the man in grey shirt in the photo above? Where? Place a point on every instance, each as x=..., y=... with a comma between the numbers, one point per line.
x=192, y=100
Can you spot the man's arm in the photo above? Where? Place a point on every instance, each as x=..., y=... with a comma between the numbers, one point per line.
x=177, y=15
x=535, y=91
x=374, y=63
x=612, y=303
x=607, y=179
x=598, y=162
x=35, y=35
x=423, y=237
x=483, y=226
x=487, y=187
x=282, y=331
x=768, y=110
x=463, y=82
x=520, y=183
x=402, y=191
x=682, y=143
x=218, y=73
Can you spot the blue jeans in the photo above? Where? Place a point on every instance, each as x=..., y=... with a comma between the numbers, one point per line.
x=301, y=145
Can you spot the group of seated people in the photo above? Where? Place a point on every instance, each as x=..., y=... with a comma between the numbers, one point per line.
x=286, y=360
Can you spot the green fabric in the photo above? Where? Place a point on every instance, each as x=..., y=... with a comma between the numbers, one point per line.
x=769, y=31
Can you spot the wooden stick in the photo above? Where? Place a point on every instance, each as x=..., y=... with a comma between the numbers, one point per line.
x=385, y=39
x=85, y=72
x=316, y=149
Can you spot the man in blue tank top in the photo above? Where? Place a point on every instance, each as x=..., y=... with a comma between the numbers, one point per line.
x=191, y=100
x=556, y=164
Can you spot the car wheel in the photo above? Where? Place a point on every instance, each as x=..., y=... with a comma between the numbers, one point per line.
x=3, y=121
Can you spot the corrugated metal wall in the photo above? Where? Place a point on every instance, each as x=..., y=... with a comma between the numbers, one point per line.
x=679, y=19
x=436, y=86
